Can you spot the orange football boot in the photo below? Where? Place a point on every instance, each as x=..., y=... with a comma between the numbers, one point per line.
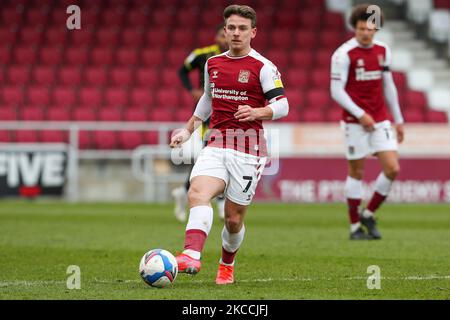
x=225, y=274
x=188, y=265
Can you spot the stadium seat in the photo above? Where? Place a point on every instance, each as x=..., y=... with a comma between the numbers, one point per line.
x=107, y=36
x=36, y=17
x=317, y=99
x=400, y=81
x=436, y=116
x=167, y=97
x=12, y=95
x=50, y=55
x=132, y=37
x=5, y=136
x=135, y=114
x=55, y=36
x=69, y=76
x=295, y=97
x=157, y=38
x=43, y=75
x=280, y=58
x=296, y=78
x=26, y=136
x=38, y=95
x=305, y=39
x=286, y=18
x=161, y=115
x=333, y=114
x=105, y=140
x=136, y=18
x=320, y=78
x=170, y=77
x=11, y=17
x=150, y=137
x=83, y=37
x=313, y=115
x=54, y=136
x=330, y=40
x=58, y=113
x=121, y=76
x=141, y=97
x=182, y=38
x=30, y=35
x=18, y=75
x=76, y=56
x=333, y=20
x=130, y=140
x=5, y=54
x=110, y=114
x=84, y=114
x=152, y=57
x=90, y=97
x=25, y=55
x=102, y=56
x=414, y=116
x=281, y=39
x=85, y=140
x=415, y=100
x=323, y=58
x=147, y=77
x=127, y=57
x=96, y=76
x=32, y=113
x=301, y=59
x=182, y=115
x=64, y=96
x=176, y=57
x=8, y=113
x=310, y=19
x=7, y=34
x=116, y=97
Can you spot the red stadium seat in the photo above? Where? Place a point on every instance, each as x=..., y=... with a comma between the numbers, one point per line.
x=84, y=114
x=135, y=114
x=109, y=114
x=182, y=38
x=5, y=136
x=114, y=15
x=76, y=56
x=58, y=113
x=182, y=115
x=25, y=55
x=280, y=58
x=157, y=38
x=69, y=75
x=205, y=37
x=317, y=99
x=167, y=98
x=18, y=75
x=151, y=137
x=82, y=37
x=301, y=59
x=261, y=42
x=50, y=55
x=107, y=36
x=296, y=99
x=132, y=37
x=90, y=97
x=147, y=77
x=415, y=100
x=334, y=21
x=105, y=139
x=296, y=79
x=176, y=57
x=12, y=95
x=310, y=19
x=130, y=139
x=286, y=18
x=90, y=17
x=64, y=96
x=54, y=136
x=162, y=17
x=116, y=97
x=38, y=95
x=170, y=77
x=8, y=113
x=31, y=35
x=333, y=114
x=32, y=113
x=136, y=18
x=186, y=100
x=11, y=16
x=161, y=115
x=96, y=76
x=442, y=4
x=313, y=115
x=152, y=57
x=121, y=76
x=85, y=139
x=56, y=36
x=5, y=55
x=7, y=35
x=321, y=78
x=101, y=56
x=414, y=115
x=44, y=75
x=305, y=39
x=281, y=39
x=400, y=81
x=141, y=97
x=330, y=40
x=127, y=57
x=323, y=58
x=436, y=116
x=188, y=17
x=27, y=136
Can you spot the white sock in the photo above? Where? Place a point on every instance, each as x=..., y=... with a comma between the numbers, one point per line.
x=200, y=218
x=232, y=241
x=193, y=254
x=226, y=264
x=221, y=207
x=367, y=213
x=353, y=188
x=383, y=184
x=354, y=227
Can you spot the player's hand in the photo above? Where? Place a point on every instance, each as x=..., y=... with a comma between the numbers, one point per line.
x=367, y=122
x=197, y=94
x=179, y=136
x=246, y=113
x=400, y=132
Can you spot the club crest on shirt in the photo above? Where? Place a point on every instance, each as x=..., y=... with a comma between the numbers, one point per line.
x=215, y=76
x=244, y=75
x=360, y=63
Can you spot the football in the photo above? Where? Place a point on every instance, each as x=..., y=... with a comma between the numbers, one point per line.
x=158, y=268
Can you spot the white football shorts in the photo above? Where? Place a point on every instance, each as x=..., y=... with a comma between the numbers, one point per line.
x=240, y=171
x=359, y=143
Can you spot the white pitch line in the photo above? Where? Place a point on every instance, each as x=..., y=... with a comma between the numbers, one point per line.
x=16, y=283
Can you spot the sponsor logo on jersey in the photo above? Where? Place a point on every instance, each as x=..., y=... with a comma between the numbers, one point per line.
x=360, y=62
x=363, y=75
x=244, y=75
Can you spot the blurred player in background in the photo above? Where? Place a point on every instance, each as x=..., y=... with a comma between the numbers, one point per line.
x=237, y=85
x=360, y=82
x=196, y=61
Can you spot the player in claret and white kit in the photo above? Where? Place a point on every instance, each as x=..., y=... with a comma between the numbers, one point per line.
x=237, y=85
x=360, y=82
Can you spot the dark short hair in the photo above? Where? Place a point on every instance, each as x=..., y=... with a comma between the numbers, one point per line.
x=243, y=11
x=219, y=27
x=360, y=13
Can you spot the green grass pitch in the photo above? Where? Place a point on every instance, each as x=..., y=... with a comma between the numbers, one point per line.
x=290, y=252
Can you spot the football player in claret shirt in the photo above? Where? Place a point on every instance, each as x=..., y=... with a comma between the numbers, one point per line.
x=361, y=82
x=196, y=61
x=237, y=85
